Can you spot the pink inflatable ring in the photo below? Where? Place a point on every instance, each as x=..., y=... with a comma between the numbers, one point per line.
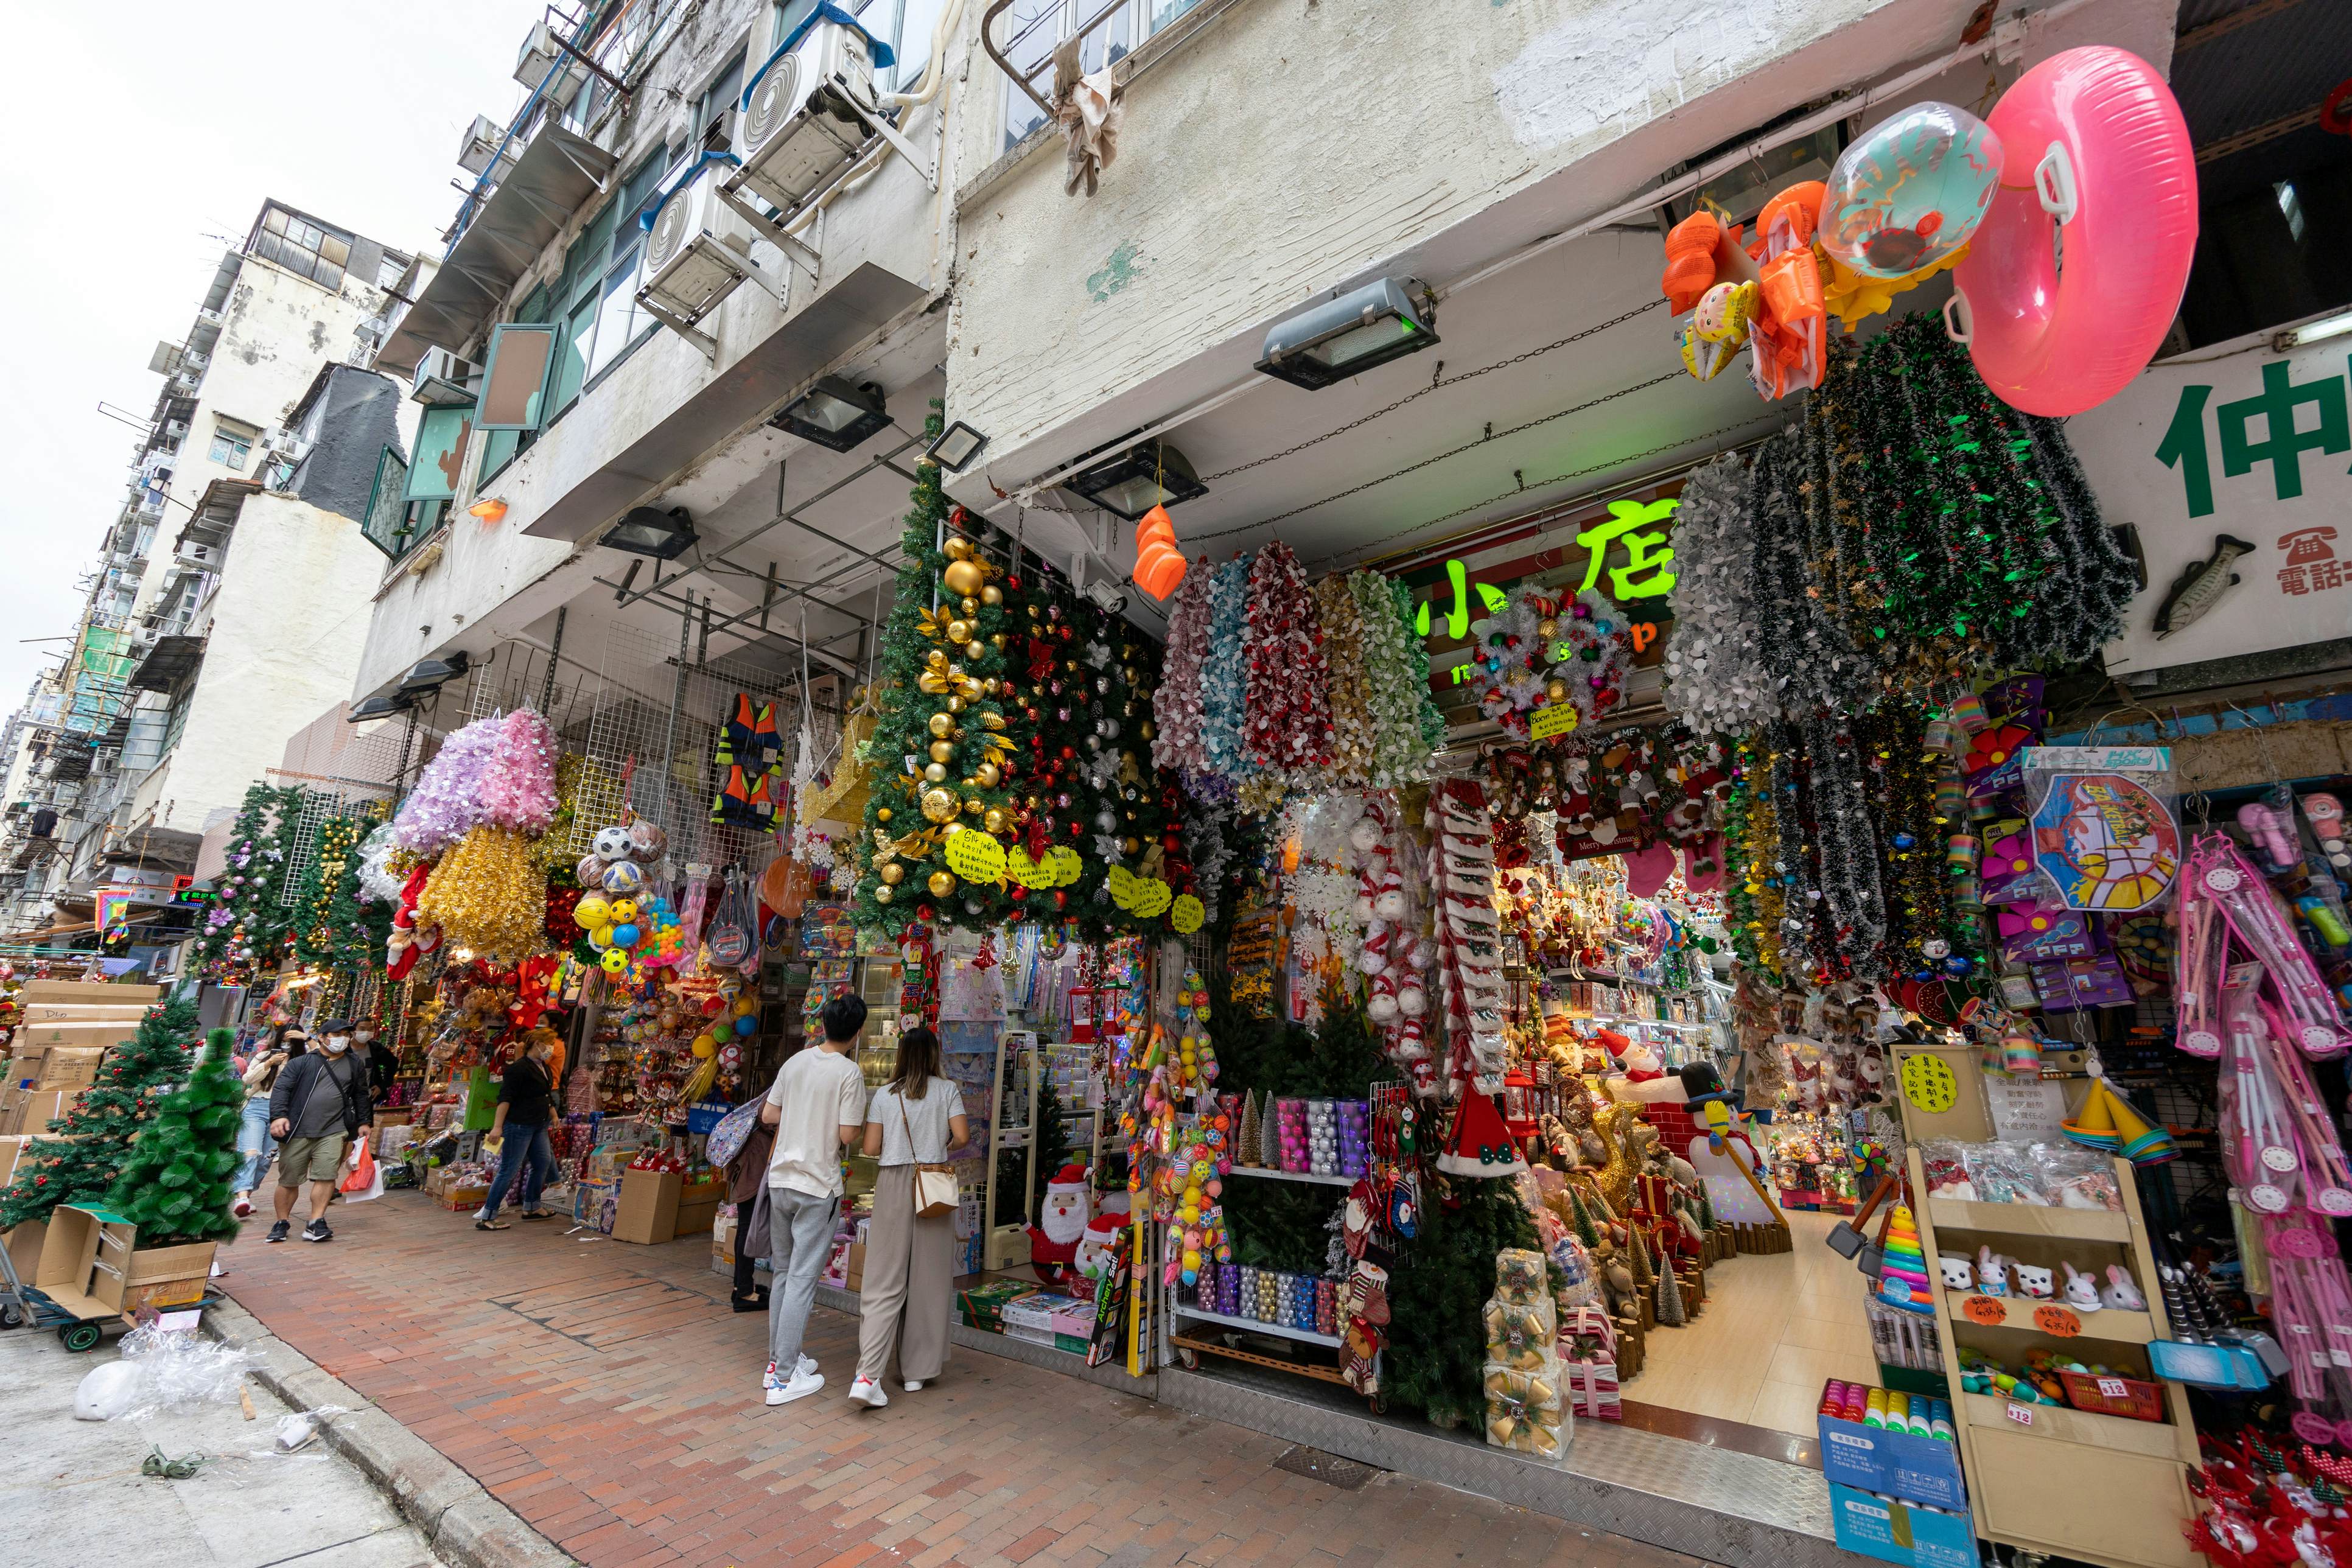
x=2100, y=167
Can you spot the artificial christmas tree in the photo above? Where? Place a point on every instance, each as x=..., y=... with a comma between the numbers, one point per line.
x=245, y=925
x=175, y=1186
x=1437, y=1296
x=941, y=760
x=81, y=1165
x=1249, y=1138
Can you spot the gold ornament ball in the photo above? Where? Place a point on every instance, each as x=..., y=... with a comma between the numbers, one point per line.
x=1145, y=730
x=988, y=776
x=892, y=873
x=958, y=549
x=963, y=576
x=994, y=820
x=882, y=814
x=973, y=805
x=941, y=723
x=941, y=883
x=1130, y=845
x=942, y=751
x=939, y=805
x=992, y=595
x=882, y=895
x=959, y=631
x=1548, y=629
x=935, y=773
x=970, y=607
x=956, y=704
x=975, y=650
x=996, y=640
x=1556, y=692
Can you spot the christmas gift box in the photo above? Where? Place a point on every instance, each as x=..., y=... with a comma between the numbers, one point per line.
x=1523, y=1412
x=1520, y=1334
x=1592, y=1389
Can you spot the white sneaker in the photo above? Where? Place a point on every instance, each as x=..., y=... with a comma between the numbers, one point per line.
x=243, y=1206
x=804, y=1367
x=914, y=1386
x=803, y=1384
x=868, y=1393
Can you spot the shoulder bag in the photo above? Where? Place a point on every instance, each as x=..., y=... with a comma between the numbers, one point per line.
x=935, y=1185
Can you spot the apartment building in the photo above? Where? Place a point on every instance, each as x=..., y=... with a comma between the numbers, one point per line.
x=251, y=393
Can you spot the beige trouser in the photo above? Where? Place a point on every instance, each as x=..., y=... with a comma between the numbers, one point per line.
x=910, y=1282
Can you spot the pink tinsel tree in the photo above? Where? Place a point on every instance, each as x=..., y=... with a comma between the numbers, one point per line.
x=1287, y=698
x=1176, y=702
x=518, y=785
x=447, y=801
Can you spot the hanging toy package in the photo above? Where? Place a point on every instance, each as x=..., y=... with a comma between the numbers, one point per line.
x=2105, y=833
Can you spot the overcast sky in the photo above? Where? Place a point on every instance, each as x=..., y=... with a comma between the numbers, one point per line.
x=144, y=153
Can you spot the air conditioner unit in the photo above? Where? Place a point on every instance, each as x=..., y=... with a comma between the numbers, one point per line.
x=442, y=378
x=540, y=54
x=177, y=429
x=808, y=118
x=483, y=141
x=696, y=255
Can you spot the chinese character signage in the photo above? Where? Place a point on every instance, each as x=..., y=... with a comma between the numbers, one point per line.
x=2237, y=470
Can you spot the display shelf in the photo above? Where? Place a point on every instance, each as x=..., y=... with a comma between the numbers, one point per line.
x=1272, y=1174
x=2026, y=1219
x=2111, y=1324
x=2029, y=1475
x=1308, y=1335
x=1298, y=1369
x=2064, y=1423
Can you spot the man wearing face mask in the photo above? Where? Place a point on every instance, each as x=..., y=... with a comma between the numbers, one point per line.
x=317, y=1108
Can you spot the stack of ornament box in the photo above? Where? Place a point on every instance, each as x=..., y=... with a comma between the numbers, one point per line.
x=1524, y=1409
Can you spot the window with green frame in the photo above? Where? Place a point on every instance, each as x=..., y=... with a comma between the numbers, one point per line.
x=592, y=305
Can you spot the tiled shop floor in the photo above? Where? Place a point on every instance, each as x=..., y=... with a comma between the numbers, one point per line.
x=606, y=1394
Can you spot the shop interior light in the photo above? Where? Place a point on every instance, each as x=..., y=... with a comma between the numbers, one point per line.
x=2320, y=331
x=958, y=444
x=434, y=673
x=1148, y=474
x=835, y=414
x=1349, y=335
x=490, y=509
x=380, y=708
x=649, y=530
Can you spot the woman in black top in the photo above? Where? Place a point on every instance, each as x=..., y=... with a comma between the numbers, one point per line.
x=518, y=1132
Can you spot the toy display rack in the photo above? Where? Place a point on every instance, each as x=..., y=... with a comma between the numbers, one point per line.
x=2048, y=1478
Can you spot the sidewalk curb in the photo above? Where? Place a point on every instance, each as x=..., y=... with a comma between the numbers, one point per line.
x=466, y=1526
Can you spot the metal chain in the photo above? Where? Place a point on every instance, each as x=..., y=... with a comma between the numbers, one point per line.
x=1435, y=385
x=1489, y=437
x=1617, y=462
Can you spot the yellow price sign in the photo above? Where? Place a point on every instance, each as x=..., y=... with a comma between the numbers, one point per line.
x=1552, y=718
x=1019, y=869
x=1063, y=862
x=1928, y=1083
x=976, y=856
x=1185, y=914
x=1123, y=887
x=1151, y=895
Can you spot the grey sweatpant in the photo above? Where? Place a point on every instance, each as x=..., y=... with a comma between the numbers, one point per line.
x=800, y=1239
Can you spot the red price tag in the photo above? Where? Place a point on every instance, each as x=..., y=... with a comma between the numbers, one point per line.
x=2021, y=1414
x=2111, y=1388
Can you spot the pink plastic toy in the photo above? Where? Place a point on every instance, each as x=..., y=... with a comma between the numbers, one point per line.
x=2272, y=835
x=2095, y=145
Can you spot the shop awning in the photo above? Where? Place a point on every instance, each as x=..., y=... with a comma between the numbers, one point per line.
x=168, y=663
x=172, y=848
x=556, y=174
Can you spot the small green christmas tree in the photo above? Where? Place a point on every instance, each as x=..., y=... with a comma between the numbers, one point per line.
x=81, y=1166
x=1437, y=1297
x=1586, y=1231
x=1638, y=1257
x=1670, y=1300
x=175, y=1184
x=1248, y=1136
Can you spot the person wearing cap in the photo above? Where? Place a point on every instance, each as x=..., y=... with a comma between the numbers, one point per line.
x=253, y=1138
x=518, y=1134
x=317, y=1109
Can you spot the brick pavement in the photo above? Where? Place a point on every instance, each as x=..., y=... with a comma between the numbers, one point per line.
x=606, y=1394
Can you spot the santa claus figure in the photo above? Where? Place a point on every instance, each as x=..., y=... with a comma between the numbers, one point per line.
x=1099, y=1248
x=1068, y=1207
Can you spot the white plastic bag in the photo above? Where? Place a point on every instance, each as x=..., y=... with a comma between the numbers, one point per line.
x=106, y=1393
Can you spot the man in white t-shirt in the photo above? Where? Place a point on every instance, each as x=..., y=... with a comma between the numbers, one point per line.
x=818, y=1109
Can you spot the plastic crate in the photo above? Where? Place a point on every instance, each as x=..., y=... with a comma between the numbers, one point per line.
x=2139, y=1400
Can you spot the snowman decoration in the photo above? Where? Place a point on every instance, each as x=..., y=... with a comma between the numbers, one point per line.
x=1098, y=1248
x=1065, y=1212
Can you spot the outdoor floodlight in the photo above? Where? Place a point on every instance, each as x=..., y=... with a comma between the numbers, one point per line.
x=1343, y=337
x=649, y=530
x=432, y=674
x=834, y=415
x=958, y=444
x=1148, y=474
x=379, y=708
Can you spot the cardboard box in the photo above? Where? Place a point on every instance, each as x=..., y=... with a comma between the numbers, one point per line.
x=35, y=1109
x=1894, y=1532
x=69, y=1256
x=12, y=1149
x=1900, y=1464
x=24, y=1243
x=460, y=1197
x=127, y=1277
x=59, y=1067
x=86, y=1012
x=83, y=991
x=32, y=1038
x=648, y=1213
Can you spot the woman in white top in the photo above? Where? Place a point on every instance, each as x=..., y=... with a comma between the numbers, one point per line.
x=916, y=1118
